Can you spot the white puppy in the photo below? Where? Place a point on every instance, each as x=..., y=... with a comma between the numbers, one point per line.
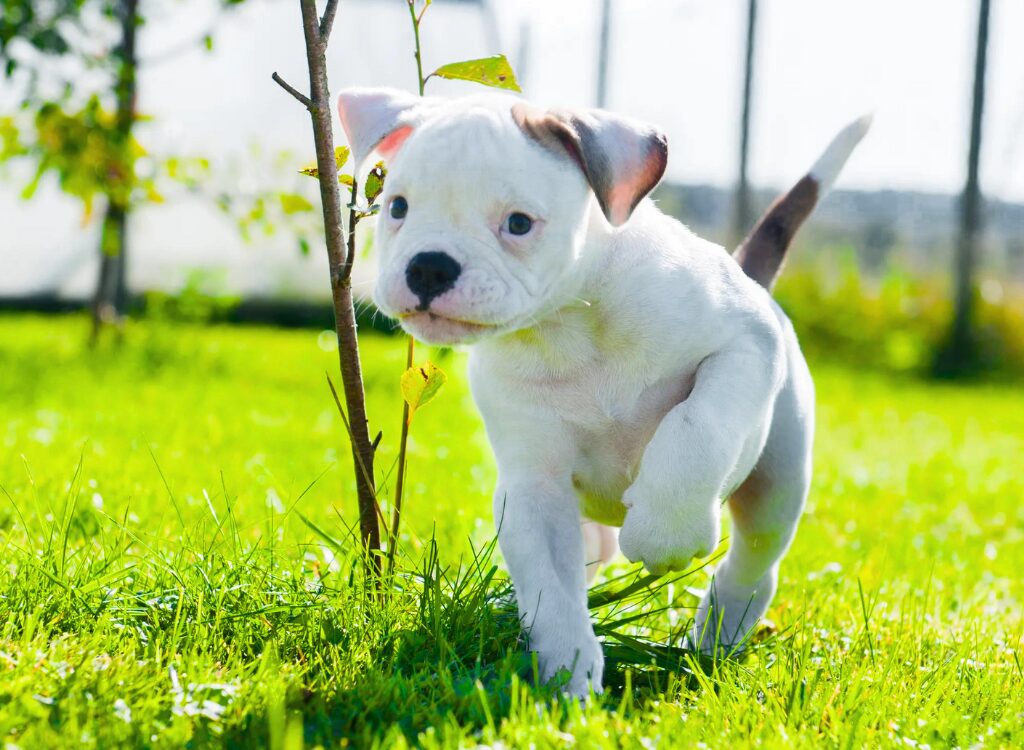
x=630, y=374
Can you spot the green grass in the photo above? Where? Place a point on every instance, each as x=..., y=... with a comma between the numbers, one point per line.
x=178, y=569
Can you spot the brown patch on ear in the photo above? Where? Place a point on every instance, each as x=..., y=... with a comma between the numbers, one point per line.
x=619, y=184
x=549, y=130
x=761, y=254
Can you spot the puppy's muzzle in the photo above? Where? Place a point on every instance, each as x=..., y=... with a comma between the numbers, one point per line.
x=431, y=274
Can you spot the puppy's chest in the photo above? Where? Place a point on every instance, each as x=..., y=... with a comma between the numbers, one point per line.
x=612, y=415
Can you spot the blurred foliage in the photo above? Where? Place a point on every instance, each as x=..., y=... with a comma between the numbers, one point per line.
x=41, y=25
x=239, y=191
x=82, y=149
x=56, y=28
x=201, y=300
x=894, y=321
x=69, y=127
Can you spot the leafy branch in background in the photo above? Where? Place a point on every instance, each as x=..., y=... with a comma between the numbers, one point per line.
x=84, y=134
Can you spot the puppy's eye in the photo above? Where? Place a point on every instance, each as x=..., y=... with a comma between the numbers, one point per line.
x=399, y=207
x=519, y=224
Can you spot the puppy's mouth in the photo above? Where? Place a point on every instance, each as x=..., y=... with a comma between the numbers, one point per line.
x=439, y=329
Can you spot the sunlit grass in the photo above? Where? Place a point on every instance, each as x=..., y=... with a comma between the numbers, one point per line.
x=178, y=567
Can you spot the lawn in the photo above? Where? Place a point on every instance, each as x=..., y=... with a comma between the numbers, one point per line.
x=178, y=568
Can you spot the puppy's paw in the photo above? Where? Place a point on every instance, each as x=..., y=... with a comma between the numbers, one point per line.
x=582, y=658
x=665, y=539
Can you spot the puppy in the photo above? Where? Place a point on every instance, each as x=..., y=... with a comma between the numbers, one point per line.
x=630, y=374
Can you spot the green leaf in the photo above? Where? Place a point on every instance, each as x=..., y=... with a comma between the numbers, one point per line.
x=293, y=203
x=421, y=384
x=208, y=42
x=304, y=246
x=345, y=179
x=375, y=182
x=490, y=71
x=310, y=170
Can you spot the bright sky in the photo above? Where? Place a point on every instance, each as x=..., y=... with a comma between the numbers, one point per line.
x=673, y=62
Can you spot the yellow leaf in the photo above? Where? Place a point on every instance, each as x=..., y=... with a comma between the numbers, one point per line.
x=421, y=384
x=345, y=179
x=292, y=203
x=490, y=71
x=341, y=155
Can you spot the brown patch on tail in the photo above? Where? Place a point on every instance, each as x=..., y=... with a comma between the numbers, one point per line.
x=762, y=253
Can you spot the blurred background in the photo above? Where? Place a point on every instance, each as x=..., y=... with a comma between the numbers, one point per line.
x=914, y=263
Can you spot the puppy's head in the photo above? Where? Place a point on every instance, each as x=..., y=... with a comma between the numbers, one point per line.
x=487, y=204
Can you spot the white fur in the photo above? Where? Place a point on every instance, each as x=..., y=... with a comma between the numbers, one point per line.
x=628, y=376
x=826, y=169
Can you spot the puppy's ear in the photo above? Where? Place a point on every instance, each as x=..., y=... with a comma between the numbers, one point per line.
x=379, y=119
x=621, y=158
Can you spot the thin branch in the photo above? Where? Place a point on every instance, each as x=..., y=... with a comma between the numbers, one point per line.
x=353, y=220
x=302, y=98
x=403, y=444
x=328, y=20
x=416, y=34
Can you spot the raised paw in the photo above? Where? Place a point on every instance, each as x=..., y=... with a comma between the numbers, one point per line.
x=665, y=541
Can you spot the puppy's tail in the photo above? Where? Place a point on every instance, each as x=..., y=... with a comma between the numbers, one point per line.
x=762, y=253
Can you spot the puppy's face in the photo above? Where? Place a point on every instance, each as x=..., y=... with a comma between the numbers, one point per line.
x=478, y=227
x=486, y=207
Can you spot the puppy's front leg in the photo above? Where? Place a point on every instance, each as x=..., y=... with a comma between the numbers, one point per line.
x=701, y=448
x=539, y=532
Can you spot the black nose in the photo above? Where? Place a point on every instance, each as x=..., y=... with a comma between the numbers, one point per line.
x=430, y=275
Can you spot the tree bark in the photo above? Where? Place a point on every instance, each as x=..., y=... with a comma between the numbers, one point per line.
x=742, y=210
x=111, y=275
x=111, y=295
x=960, y=353
x=316, y=35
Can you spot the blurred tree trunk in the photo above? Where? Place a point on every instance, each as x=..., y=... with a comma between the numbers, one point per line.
x=742, y=219
x=960, y=353
x=111, y=295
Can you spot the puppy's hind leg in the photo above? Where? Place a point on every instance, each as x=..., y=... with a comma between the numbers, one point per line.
x=765, y=512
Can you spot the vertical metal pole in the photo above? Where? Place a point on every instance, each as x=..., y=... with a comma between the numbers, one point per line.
x=742, y=215
x=960, y=350
x=602, y=54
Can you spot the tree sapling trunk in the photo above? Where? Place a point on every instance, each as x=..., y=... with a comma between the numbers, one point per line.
x=340, y=255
